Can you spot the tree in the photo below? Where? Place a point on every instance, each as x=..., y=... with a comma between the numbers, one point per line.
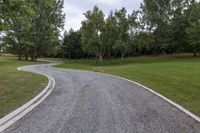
x=156, y=16
x=143, y=43
x=110, y=34
x=193, y=31
x=91, y=33
x=134, y=29
x=9, y=9
x=47, y=24
x=176, y=30
x=17, y=26
x=33, y=25
x=120, y=47
x=71, y=46
x=121, y=44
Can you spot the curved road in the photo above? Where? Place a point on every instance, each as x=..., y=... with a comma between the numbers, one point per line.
x=89, y=102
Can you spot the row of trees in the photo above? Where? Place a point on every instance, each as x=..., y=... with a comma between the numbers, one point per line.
x=160, y=26
x=106, y=37
x=172, y=24
x=31, y=28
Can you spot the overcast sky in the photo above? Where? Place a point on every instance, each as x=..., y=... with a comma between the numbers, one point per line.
x=74, y=9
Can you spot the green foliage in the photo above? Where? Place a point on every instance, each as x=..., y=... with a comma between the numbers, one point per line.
x=105, y=37
x=120, y=47
x=193, y=30
x=156, y=16
x=167, y=21
x=91, y=33
x=48, y=24
x=159, y=26
x=176, y=34
x=32, y=25
x=71, y=46
x=143, y=43
x=121, y=44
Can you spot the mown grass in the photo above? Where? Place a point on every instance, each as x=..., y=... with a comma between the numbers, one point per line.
x=176, y=76
x=17, y=87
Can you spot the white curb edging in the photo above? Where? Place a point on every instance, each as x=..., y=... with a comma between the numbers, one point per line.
x=195, y=117
x=17, y=114
x=161, y=96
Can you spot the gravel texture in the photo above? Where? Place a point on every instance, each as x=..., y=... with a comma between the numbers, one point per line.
x=90, y=102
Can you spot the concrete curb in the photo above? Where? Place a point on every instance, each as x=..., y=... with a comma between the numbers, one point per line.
x=17, y=114
x=159, y=95
x=150, y=90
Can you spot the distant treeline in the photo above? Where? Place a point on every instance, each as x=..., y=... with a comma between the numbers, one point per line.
x=159, y=26
x=31, y=28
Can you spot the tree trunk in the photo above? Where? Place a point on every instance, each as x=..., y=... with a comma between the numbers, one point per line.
x=69, y=57
x=195, y=51
x=100, y=59
x=122, y=57
x=96, y=57
x=109, y=55
x=26, y=57
x=32, y=58
x=35, y=56
x=63, y=56
x=19, y=57
x=19, y=53
x=113, y=59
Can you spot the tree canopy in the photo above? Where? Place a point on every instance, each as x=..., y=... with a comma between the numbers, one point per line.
x=193, y=30
x=31, y=27
x=158, y=27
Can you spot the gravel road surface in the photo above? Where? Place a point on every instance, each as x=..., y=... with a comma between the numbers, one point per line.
x=90, y=102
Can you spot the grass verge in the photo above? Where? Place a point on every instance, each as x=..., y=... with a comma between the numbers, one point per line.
x=176, y=76
x=17, y=87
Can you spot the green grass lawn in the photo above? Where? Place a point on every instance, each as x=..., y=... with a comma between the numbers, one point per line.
x=17, y=87
x=176, y=77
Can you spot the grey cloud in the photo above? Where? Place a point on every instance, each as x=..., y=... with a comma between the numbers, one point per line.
x=74, y=9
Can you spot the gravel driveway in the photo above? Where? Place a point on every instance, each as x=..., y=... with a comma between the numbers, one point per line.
x=90, y=102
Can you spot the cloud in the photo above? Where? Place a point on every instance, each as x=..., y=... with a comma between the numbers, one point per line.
x=73, y=16
x=106, y=2
x=74, y=9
